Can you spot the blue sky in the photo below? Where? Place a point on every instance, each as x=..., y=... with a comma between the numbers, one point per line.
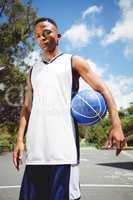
x=100, y=31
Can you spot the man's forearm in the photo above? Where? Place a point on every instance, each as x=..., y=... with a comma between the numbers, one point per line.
x=24, y=117
x=112, y=108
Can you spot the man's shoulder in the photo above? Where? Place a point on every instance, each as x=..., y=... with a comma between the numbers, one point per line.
x=36, y=64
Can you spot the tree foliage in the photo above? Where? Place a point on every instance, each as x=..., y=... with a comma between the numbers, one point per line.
x=16, y=29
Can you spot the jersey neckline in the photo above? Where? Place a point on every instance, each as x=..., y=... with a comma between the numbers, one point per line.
x=54, y=58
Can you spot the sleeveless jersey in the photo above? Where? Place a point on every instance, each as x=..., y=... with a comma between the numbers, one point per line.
x=51, y=133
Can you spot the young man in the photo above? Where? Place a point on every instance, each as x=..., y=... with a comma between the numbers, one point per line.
x=52, y=137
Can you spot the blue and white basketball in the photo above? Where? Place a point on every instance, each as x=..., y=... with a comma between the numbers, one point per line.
x=88, y=107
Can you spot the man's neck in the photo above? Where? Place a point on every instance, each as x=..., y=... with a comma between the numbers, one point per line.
x=49, y=55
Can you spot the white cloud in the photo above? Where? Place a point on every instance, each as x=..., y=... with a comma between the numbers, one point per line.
x=80, y=35
x=122, y=89
x=77, y=35
x=123, y=29
x=91, y=11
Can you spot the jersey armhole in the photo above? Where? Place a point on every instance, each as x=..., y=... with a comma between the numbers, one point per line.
x=30, y=72
x=75, y=88
x=75, y=79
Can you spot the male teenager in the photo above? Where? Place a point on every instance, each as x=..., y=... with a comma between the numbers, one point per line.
x=52, y=138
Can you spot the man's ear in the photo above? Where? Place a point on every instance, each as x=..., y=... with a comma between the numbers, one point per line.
x=59, y=35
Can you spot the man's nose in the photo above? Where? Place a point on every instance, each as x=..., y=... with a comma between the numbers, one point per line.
x=43, y=37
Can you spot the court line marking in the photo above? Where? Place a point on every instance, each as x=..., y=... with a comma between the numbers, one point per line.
x=9, y=186
x=84, y=159
x=103, y=185
x=82, y=185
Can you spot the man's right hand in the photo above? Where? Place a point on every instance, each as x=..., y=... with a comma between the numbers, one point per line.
x=17, y=154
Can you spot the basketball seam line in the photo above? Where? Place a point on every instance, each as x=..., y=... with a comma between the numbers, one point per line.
x=97, y=114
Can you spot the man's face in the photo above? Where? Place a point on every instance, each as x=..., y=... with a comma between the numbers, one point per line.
x=46, y=35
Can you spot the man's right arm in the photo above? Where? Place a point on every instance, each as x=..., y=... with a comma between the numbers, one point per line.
x=24, y=117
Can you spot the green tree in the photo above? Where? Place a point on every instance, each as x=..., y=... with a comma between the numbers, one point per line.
x=130, y=110
x=16, y=29
x=96, y=134
x=5, y=138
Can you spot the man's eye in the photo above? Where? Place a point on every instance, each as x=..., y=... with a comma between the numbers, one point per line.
x=45, y=33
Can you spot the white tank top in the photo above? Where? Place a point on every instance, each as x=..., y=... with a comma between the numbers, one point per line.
x=50, y=137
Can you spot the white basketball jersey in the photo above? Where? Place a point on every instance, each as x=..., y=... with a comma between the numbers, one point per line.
x=50, y=137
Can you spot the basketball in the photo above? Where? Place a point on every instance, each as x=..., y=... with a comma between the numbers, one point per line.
x=88, y=107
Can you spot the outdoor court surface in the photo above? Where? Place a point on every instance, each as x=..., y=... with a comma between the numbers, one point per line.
x=103, y=175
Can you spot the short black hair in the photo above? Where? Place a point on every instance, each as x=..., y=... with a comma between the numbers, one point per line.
x=43, y=19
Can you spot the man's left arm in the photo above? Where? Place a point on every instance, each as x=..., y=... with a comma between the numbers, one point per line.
x=90, y=77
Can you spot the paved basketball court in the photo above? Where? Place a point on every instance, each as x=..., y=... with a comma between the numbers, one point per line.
x=102, y=174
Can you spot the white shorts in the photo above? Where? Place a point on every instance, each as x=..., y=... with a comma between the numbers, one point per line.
x=74, y=185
